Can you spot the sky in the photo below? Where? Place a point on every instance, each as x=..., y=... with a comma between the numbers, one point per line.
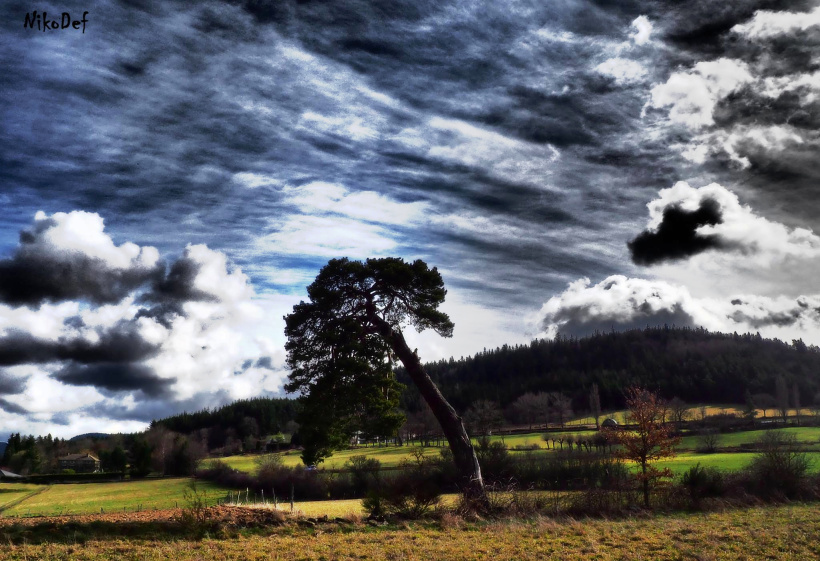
x=174, y=174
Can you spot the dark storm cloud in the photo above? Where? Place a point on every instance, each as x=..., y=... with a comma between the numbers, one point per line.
x=152, y=409
x=168, y=293
x=31, y=278
x=264, y=362
x=10, y=385
x=676, y=237
x=759, y=314
x=116, y=377
x=178, y=284
x=12, y=408
x=617, y=303
x=703, y=27
x=122, y=342
x=62, y=419
x=577, y=322
x=779, y=319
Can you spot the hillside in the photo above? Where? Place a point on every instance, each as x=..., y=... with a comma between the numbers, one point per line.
x=693, y=364
x=257, y=416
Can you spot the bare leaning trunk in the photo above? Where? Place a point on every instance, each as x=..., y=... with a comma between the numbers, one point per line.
x=463, y=452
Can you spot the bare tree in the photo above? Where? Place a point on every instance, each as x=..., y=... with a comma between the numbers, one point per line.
x=782, y=396
x=765, y=401
x=561, y=407
x=651, y=441
x=749, y=407
x=526, y=409
x=483, y=417
x=679, y=409
x=595, y=405
x=796, y=401
x=708, y=441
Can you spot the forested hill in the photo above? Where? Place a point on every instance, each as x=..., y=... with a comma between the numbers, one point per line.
x=266, y=415
x=692, y=364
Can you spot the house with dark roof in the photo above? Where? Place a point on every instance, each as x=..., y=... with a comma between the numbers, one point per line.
x=80, y=463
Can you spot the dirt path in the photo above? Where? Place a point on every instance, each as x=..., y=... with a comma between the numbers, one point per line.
x=12, y=504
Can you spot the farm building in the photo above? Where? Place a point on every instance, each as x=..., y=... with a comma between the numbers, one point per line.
x=7, y=475
x=81, y=463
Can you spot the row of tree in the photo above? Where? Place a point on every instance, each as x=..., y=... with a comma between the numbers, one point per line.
x=693, y=364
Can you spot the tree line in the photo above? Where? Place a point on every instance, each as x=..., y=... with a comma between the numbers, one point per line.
x=694, y=365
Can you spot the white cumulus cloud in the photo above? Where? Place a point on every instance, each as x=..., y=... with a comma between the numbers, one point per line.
x=643, y=30
x=691, y=96
x=765, y=24
x=623, y=70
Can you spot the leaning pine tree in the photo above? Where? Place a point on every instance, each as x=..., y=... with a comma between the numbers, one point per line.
x=341, y=346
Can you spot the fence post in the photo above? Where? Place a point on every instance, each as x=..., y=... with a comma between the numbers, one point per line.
x=291, y=497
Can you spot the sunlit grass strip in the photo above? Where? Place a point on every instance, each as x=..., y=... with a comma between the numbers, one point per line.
x=336, y=509
x=89, y=498
x=805, y=435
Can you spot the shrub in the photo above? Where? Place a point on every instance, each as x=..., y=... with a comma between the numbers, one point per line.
x=195, y=510
x=701, y=483
x=410, y=494
x=494, y=459
x=780, y=467
x=269, y=466
x=708, y=441
x=364, y=473
x=569, y=470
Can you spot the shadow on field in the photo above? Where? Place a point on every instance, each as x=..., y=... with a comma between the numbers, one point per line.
x=222, y=521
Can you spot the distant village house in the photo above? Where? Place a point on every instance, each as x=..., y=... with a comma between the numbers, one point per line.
x=80, y=463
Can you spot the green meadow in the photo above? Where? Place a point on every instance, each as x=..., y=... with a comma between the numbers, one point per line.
x=89, y=498
x=21, y=499
x=392, y=456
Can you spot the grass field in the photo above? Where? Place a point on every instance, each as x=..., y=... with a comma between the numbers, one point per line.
x=389, y=457
x=805, y=435
x=12, y=493
x=786, y=533
x=88, y=498
x=392, y=456
x=694, y=412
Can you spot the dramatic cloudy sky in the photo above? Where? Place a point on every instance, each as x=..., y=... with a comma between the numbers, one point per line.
x=173, y=178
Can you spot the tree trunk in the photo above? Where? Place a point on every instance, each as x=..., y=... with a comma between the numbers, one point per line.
x=645, y=487
x=460, y=444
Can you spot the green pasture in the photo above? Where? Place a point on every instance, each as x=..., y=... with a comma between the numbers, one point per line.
x=389, y=456
x=87, y=498
x=525, y=440
x=10, y=493
x=723, y=461
x=805, y=435
x=392, y=456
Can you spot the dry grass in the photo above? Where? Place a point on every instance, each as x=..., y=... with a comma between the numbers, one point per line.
x=786, y=532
